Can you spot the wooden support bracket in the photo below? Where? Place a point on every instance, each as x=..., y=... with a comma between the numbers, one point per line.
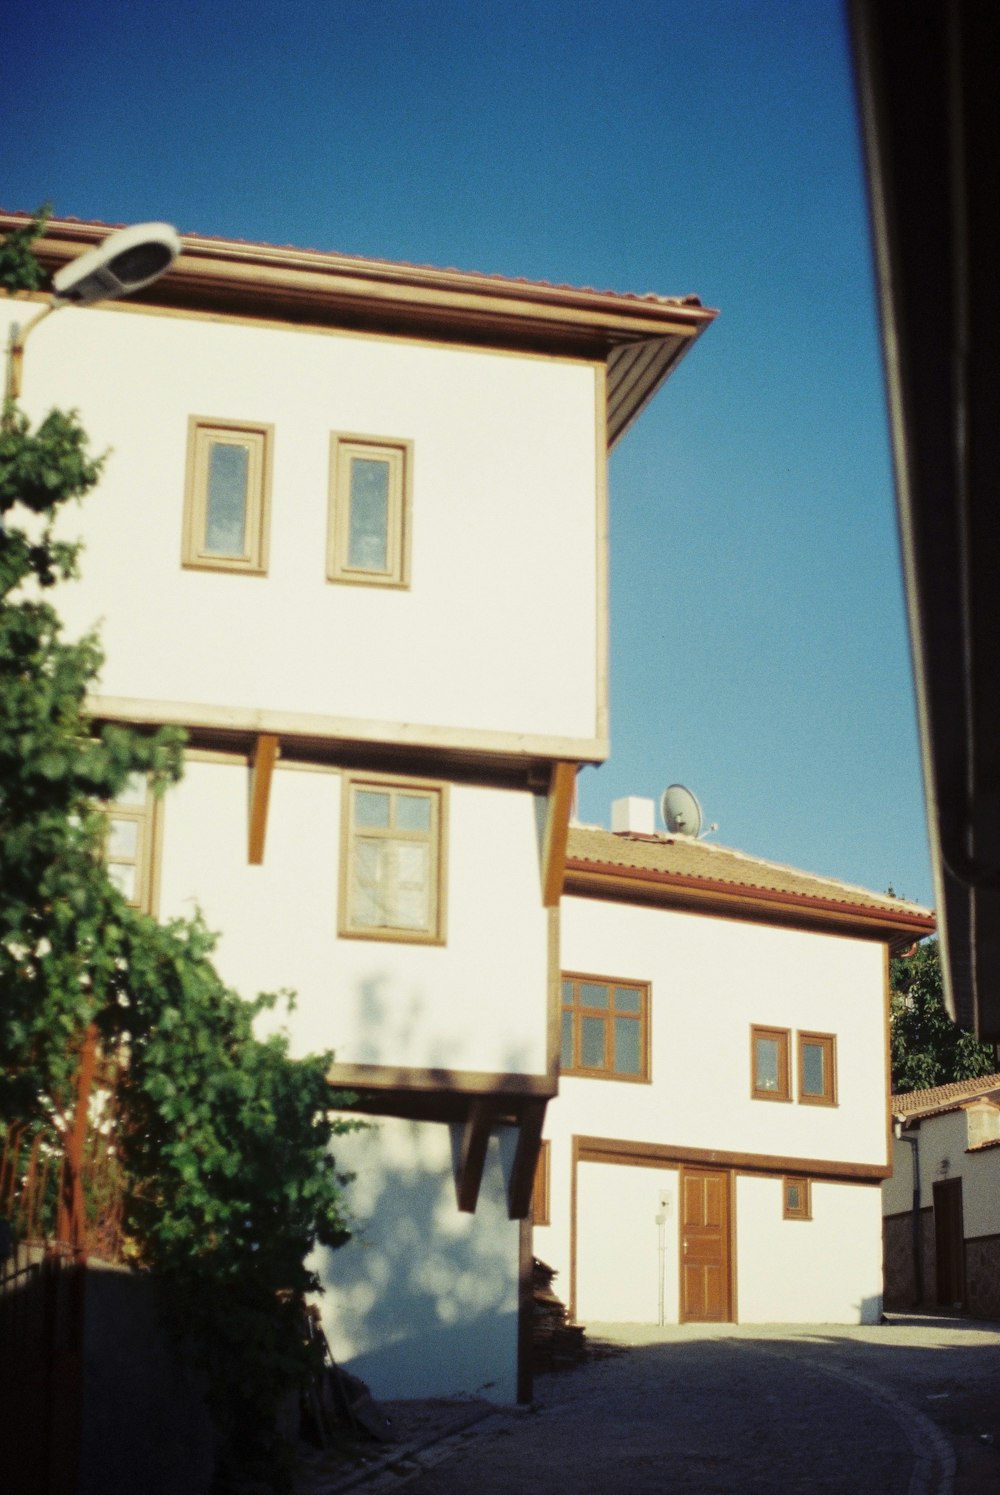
x=562, y=784
x=262, y=763
x=472, y=1157
x=529, y=1143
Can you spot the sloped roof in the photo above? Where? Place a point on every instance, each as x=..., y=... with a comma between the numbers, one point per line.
x=941, y=1098
x=681, y=870
x=639, y=338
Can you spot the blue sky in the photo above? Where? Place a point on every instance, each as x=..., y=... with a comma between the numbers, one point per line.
x=759, y=649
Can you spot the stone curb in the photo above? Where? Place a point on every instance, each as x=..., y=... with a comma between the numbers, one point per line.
x=398, y=1453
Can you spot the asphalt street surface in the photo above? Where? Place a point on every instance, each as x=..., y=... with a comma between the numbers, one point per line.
x=911, y=1407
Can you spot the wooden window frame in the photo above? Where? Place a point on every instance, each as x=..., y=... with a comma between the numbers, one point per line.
x=803, y=1210
x=259, y=438
x=344, y=446
x=607, y=1072
x=783, y=1037
x=147, y=817
x=436, y=839
x=541, y=1210
x=828, y=1043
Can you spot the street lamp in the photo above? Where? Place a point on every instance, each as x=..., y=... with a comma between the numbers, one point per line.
x=126, y=261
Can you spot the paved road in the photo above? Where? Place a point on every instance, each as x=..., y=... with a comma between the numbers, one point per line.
x=908, y=1408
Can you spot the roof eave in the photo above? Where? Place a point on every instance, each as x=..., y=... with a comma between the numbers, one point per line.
x=894, y=927
x=640, y=339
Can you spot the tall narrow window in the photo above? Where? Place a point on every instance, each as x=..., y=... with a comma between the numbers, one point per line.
x=392, y=875
x=369, y=521
x=770, y=1076
x=817, y=1069
x=130, y=843
x=226, y=508
x=605, y=1028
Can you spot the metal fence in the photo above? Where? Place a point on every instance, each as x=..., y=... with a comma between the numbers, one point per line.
x=60, y=1202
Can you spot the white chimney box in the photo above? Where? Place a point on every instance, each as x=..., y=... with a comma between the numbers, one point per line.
x=633, y=815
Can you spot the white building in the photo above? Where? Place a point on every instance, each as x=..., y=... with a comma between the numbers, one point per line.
x=721, y=1130
x=942, y=1198
x=352, y=537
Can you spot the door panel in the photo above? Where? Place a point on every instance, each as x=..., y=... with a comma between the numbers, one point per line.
x=706, y=1295
x=949, y=1243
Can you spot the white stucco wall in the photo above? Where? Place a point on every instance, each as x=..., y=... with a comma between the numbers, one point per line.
x=498, y=631
x=423, y=1300
x=827, y=1270
x=711, y=980
x=478, y=1002
x=618, y=1244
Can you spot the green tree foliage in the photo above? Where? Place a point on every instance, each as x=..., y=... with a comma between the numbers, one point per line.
x=927, y=1047
x=224, y=1139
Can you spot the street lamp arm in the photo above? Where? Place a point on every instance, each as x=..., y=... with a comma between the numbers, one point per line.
x=15, y=348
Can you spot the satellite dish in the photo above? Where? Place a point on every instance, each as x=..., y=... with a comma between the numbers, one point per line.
x=681, y=811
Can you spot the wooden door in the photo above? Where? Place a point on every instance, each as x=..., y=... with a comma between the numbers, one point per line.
x=949, y=1243
x=706, y=1283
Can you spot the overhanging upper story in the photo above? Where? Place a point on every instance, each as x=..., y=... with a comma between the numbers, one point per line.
x=419, y=553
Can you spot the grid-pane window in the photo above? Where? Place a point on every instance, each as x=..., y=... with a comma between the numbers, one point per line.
x=227, y=497
x=369, y=518
x=770, y=1074
x=817, y=1069
x=130, y=842
x=392, y=874
x=605, y=1028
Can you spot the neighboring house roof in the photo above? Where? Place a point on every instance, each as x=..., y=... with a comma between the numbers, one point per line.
x=639, y=339
x=940, y=1098
x=683, y=872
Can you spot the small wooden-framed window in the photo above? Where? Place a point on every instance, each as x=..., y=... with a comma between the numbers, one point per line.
x=605, y=1028
x=131, y=843
x=797, y=1199
x=228, y=495
x=392, y=873
x=368, y=531
x=540, y=1193
x=817, y=1069
x=770, y=1073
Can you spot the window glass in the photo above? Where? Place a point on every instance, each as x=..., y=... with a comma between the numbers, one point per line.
x=123, y=875
x=592, y=1042
x=628, y=1046
x=413, y=812
x=368, y=539
x=412, y=886
x=627, y=999
x=592, y=995
x=371, y=809
x=123, y=838
x=567, y=1058
x=813, y=1069
x=767, y=1064
x=226, y=501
